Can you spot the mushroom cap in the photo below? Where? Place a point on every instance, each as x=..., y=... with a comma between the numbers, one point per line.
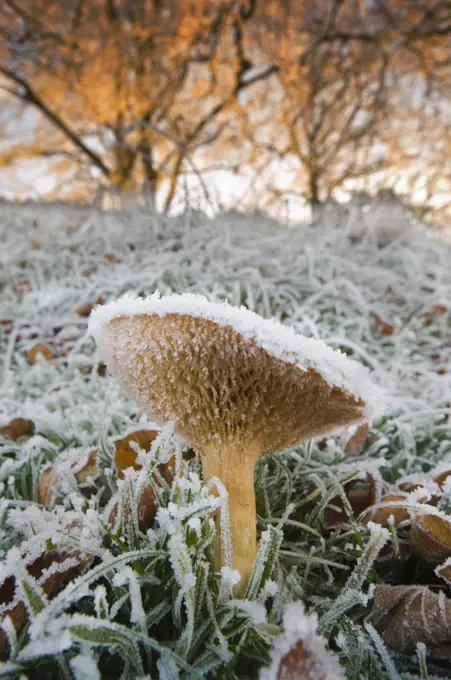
x=224, y=373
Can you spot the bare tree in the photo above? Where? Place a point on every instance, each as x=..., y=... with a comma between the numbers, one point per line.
x=126, y=91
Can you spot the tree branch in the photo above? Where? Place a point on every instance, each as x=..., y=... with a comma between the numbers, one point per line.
x=29, y=95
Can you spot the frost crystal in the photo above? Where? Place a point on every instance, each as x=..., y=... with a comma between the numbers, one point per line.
x=84, y=667
x=230, y=576
x=254, y=610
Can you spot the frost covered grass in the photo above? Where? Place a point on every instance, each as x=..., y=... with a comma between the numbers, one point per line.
x=91, y=586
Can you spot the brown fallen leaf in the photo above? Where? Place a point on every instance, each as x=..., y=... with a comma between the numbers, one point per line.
x=51, y=586
x=146, y=510
x=381, y=513
x=356, y=443
x=17, y=614
x=101, y=369
x=301, y=663
x=407, y=615
x=409, y=486
x=384, y=327
x=39, y=349
x=86, y=309
x=52, y=480
x=54, y=583
x=88, y=469
x=431, y=537
x=50, y=484
x=441, y=477
x=17, y=428
x=360, y=498
x=125, y=455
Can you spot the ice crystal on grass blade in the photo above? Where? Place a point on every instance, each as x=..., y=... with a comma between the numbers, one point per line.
x=85, y=667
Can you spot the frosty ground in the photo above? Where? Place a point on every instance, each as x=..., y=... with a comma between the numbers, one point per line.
x=128, y=603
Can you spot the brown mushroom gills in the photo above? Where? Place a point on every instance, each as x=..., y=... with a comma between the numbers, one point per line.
x=229, y=398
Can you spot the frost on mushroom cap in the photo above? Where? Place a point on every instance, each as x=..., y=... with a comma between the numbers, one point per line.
x=222, y=372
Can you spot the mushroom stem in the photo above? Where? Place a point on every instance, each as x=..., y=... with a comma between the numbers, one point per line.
x=234, y=464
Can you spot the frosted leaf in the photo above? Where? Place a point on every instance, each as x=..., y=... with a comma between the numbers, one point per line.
x=129, y=577
x=61, y=526
x=59, y=568
x=101, y=602
x=46, y=646
x=407, y=615
x=299, y=651
x=181, y=562
x=167, y=668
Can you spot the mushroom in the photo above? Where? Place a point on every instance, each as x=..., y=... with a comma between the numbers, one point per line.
x=235, y=386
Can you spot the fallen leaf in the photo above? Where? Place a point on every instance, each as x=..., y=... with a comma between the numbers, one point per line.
x=51, y=586
x=39, y=349
x=384, y=327
x=101, y=369
x=88, y=469
x=146, y=510
x=356, y=443
x=302, y=664
x=52, y=479
x=359, y=498
x=441, y=478
x=431, y=537
x=86, y=309
x=7, y=324
x=17, y=428
x=381, y=513
x=409, y=486
x=407, y=615
x=125, y=455
x=50, y=484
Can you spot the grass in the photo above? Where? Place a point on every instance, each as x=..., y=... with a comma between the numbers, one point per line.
x=94, y=597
